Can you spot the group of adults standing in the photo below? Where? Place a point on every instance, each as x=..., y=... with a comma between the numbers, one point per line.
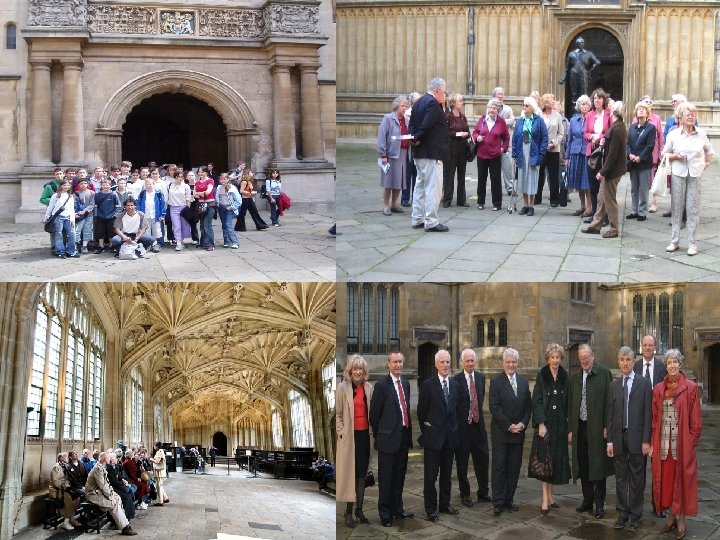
x=425, y=146
x=652, y=410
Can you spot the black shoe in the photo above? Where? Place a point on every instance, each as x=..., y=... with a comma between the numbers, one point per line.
x=406, y=204
x=512, y=508
x=667, y=214
x=553, y=205
x=620, y=523
x=641, y=218
x=523, y=210
x=387, y=522
x=99, y=250
x=404, y=514
x=433, y=517
x=349, y=521
x=446, y=205
x=61, y=256
x=450, y=510
x=634, y=526
x=531, y=212
x=418, y=226
x=508, y=191
x=600, y=513
x=465, y=204
x=361, y=517
x=538, y=200
x=587, y=220
x=467, y=501
x=631, y=216
x=584, y=508
x=127, y=531
x=438, y=228
x=484, y=498
x=497, y=510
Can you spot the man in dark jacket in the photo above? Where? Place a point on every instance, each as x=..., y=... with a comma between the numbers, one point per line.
x=431, y=133
x=391, y=427
x=471, y=430
x=510, y=406
x=116, y=475
x=438, y=416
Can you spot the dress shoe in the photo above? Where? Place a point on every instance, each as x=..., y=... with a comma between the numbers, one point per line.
x=467, y=501
x=127, y=531
x=599, y=514
x=446, y=205
x=361, y=517
x=405, y=204
x=158, y=504
x=418, y=225
x=484, y=498
x=404, y=514
x=450, y=510
x=620, y=523
x=497, y=510
x=438, y=228
x=523, y=210
x=538, y=200
x=481, y=207
x=610, y=234
x=553, y=205
x=512, y=508
x=349, y=520
x=583, y=508
x=387, y=522
x=531, y=212
x=641, y=218
x=667, y=214
x=433, y=517
x=396, y=210
x=631, y=216
x=590, y=230
x=669, y=526
x=588, y=220
x=634, y=526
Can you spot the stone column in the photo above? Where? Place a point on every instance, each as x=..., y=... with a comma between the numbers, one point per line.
x=312, y=138
x=283, y=121
x=72, y=139
x=39, y=123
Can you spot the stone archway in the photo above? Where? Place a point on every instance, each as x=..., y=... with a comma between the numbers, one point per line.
x=239, y=120
x=426, y=361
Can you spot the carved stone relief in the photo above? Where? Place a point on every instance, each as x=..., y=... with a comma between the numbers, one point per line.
x=121, y=20
x=57, y=12
x=231, y=23
x=292, y=19
x=179, y=23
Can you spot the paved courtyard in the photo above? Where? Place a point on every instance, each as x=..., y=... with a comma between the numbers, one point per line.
x=561, y=524
x=497, y=246
x=299, y=250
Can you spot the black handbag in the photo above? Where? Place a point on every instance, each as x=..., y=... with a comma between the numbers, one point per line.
x=563, y=196
x=369, y=479
x=50, y=223
x=595, y=161
x=540, y=464
x=471, y=150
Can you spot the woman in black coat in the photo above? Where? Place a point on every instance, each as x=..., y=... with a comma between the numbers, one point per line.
x=641, y=141
x=550, y=405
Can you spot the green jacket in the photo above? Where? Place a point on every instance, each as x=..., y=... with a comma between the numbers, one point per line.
x=48, y=191
x=597, y=390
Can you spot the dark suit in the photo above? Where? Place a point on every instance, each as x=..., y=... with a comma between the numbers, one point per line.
x=507, y=409
x=392, y=442
x=659, y=370
x=473, y=437
x=429, y=126
x=627, y=443
x=439, y=426
x=116, y=474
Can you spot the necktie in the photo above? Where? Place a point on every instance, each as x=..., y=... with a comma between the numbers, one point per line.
x=445, y=390
x=474, y=408
x=625, y=402
x=513, y=383
x=647, y=370
x=403, y=405
x=583, y=400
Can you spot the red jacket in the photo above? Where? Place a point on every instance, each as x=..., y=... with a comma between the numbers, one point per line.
x=283, y=203
x=495, y=141
x=687, y=404
x=590, y=127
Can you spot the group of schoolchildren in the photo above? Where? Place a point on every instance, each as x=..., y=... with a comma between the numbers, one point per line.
x=151, y=205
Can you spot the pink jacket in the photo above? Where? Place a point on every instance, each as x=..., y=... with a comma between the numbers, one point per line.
x=590, y=127
x=495, y=141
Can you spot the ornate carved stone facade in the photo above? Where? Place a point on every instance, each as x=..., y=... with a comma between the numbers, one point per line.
x=241, y=23
x=122, y=20
x=57, y=12
x=292, y=19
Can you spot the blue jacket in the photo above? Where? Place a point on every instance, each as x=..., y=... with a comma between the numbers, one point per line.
x=575, y=142
x=641, y=143
x=160, y=205
x=538, y=142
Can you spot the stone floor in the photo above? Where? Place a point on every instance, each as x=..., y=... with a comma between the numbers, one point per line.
x=497, y=246
x=218, y=506
x=528, y=523
x=299, y=250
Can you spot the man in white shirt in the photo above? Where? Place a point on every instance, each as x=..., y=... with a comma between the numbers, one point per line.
x=648, y=366
x=130, y=226
x=138, y=185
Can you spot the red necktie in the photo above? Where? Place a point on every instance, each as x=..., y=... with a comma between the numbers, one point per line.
x=403, y=405
x=474, y=410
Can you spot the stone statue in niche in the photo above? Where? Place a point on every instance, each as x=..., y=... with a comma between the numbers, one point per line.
x=178, y=23
x=578, y=67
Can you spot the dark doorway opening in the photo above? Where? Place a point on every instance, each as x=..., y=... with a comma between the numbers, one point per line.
x=713, y=357
x=609, y=74
x=220, y=442
x=426, y=361
x=174, y=128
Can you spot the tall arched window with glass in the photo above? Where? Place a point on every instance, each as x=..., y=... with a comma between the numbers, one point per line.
x=10, y=36
x=328, y=375
x=67, y=367
x=134, y=402
x=301, y=419
x=659, y=315
x=277, y=431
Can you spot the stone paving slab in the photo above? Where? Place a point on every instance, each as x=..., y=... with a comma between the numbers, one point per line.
x=301, y=247
x=552, y=234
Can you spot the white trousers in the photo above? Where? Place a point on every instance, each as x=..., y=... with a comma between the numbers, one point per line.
x=117, y=513
x=428, y=191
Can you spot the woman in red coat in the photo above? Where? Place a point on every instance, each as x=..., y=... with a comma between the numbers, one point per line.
x=676, y=428
x=134, y=470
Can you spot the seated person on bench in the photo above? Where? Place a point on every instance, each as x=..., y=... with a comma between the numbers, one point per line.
x=60, y=485
x=99, y=492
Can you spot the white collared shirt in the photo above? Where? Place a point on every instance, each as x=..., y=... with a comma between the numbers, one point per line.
x=395, y=380
x=652, y=367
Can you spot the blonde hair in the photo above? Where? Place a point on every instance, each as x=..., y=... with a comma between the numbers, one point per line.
x=355, y=361
x=644, y=105
x=544, y=100
x=454, y=97
x=554, y=347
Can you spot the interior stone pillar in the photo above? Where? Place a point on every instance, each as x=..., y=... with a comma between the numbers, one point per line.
x=283, y=122
x=39, y=123
x=72, y=141
x=312, y=138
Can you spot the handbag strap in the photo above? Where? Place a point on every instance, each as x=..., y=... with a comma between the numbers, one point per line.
x=58, y=212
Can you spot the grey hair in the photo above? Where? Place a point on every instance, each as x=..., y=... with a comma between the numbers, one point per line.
x=399, y=101
x=626, y=351
x=675, y=353
x=618, y=109
x=685, y=106
x=497, y=90
x=436, y=84
x=413, y=97
x=61, y=455
x=587, y=347
x=512, y=353
x=533, y=103
x=582, y=99
x=679, y=97
x=440, y=353
x=493, y=101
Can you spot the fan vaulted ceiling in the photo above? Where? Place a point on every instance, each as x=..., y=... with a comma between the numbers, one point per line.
x=222, y=351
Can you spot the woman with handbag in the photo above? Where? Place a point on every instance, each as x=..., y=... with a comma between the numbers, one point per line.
x=204, y=192
x=179, y=198
x=158, y=461
x=550, y=418
x=61, y=212
x=492, y=138
x=394, y=154
x=575, y=158
x=457, y=161
x=247, y=192
x=597, y=122
x=352, y=456
x=135, y=476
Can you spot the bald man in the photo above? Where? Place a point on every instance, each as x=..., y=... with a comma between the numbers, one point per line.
x=99, y=491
